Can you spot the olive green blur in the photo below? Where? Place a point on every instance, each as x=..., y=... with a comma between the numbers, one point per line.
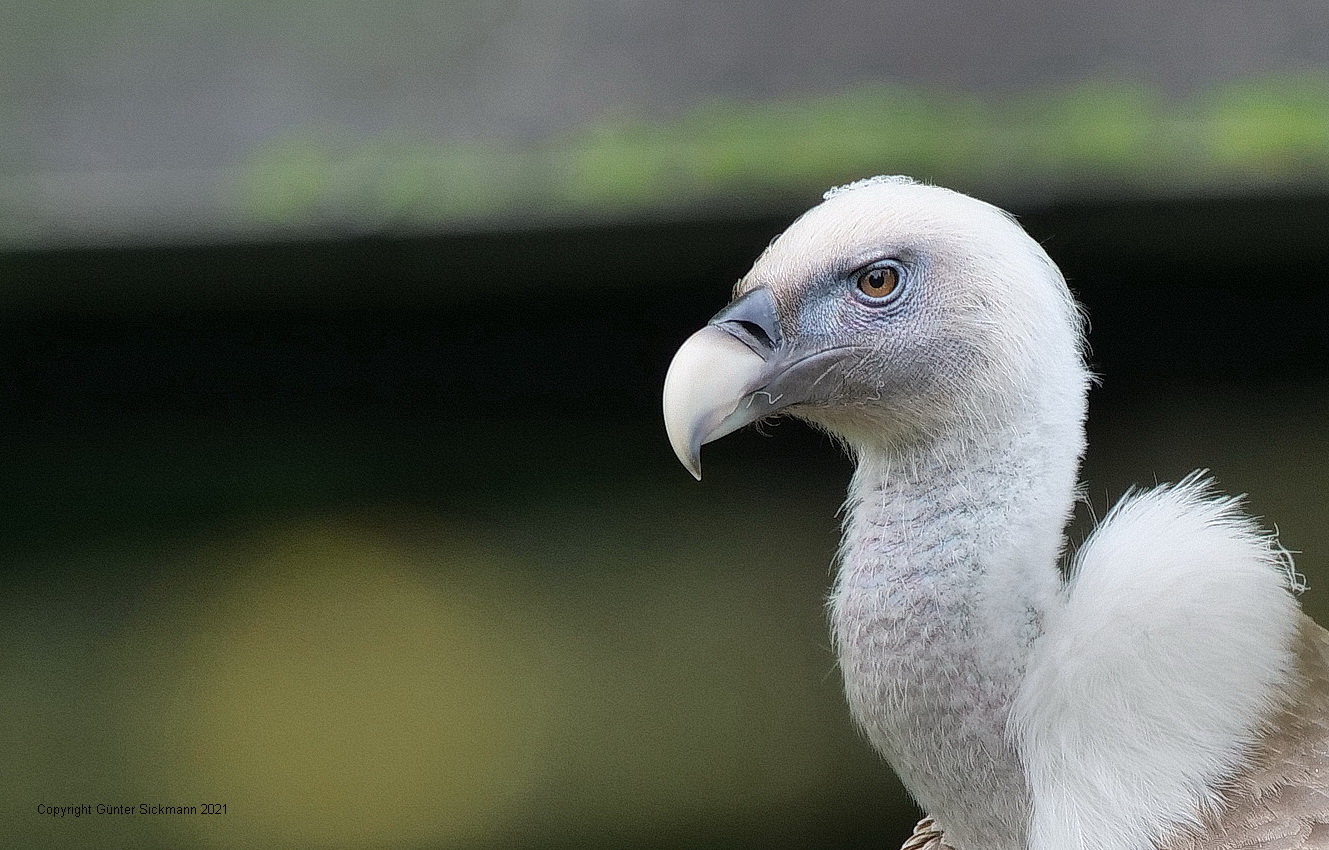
x=333, y=484
x=403, y=559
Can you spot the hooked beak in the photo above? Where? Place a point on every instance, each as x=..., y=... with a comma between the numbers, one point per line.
x=736, y=370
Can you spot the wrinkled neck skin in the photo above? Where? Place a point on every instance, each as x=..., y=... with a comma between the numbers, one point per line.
x=948, y=570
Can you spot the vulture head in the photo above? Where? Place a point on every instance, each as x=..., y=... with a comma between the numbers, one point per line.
x=893, y=313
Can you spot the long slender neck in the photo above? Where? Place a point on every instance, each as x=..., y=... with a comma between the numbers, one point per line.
x=948, y=569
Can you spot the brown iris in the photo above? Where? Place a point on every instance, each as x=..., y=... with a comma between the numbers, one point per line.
x=879, y=282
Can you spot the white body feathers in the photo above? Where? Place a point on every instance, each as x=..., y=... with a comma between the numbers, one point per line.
x=1114, y=723
x=1157, y=676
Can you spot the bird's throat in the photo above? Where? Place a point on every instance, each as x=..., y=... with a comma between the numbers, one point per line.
x=947, y=571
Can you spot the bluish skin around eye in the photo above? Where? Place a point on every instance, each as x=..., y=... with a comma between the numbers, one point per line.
x=834, y=310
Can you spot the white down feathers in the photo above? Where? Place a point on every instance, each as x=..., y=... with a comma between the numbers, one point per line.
x=1151, y=683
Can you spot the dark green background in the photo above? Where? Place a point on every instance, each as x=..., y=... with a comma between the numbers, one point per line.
x=380, y=542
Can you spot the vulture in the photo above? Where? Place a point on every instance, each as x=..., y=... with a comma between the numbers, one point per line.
x=1166, y=694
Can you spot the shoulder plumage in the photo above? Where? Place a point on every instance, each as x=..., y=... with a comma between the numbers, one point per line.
x=1154, y=682
x=1281, y=800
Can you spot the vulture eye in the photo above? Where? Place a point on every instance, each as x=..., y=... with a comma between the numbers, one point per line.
x=878, y=282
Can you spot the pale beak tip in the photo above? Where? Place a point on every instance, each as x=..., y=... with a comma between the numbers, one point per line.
x=707, y=379
x=687, y=448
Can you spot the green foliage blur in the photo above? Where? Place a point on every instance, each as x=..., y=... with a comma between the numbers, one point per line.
x=1100, y=137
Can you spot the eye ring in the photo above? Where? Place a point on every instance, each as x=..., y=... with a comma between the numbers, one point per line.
x=879, y=283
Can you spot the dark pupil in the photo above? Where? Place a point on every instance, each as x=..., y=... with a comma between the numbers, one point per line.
x=879, y=279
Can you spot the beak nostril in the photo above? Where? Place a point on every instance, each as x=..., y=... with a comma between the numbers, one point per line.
x=753, y=320
x=756, y=332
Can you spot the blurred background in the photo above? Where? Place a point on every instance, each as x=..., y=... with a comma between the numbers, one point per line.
x=332, y=482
